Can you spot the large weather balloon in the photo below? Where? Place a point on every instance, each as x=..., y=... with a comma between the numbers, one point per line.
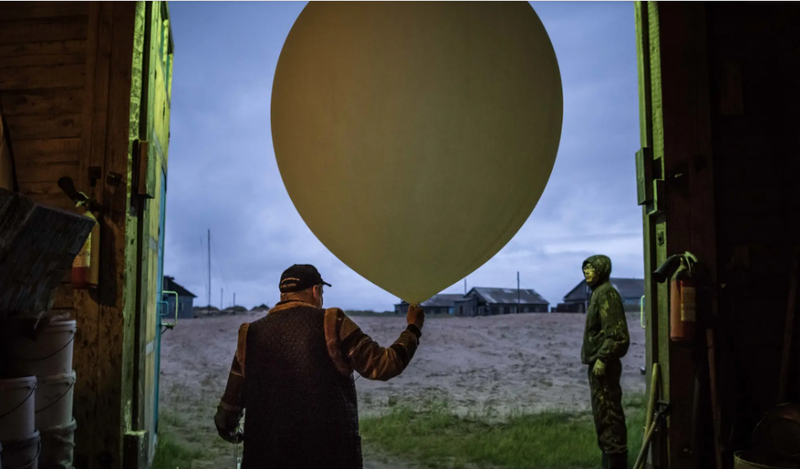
x=415, y=138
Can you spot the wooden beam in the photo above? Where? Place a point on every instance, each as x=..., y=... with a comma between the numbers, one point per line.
x=56, y=101
x=44, y=76
x=42, y=48
x=42, y=127
x=30, y=10
x=689, y=193
x=42, y=29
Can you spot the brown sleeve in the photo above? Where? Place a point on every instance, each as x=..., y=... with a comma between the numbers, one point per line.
x=231, y=405
x=371, y=360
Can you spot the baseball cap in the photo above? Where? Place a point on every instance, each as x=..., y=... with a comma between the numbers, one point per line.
x=300, y=277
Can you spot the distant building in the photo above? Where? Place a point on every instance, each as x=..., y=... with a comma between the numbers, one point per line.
x=482, y=301
x=185, y=300
x=442, y=303
x=577, y=300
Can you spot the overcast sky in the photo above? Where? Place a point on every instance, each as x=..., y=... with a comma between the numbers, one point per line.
x=223, y=175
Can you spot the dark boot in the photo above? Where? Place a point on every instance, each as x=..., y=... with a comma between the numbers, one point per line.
x=605, y=463
x=618, y=461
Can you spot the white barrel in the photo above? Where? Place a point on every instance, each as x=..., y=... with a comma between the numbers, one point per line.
x=17, y=401
x=58, y=445
x=54, y=400
x=50, y=354
x=23, y=454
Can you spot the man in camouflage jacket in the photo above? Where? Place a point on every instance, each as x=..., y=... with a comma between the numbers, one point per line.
x=605, y=342
x=293, y=374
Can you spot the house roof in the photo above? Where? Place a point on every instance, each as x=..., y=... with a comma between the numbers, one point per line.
x=626, y=287
x=441, y=300
x=508, y=296
x=171, y=285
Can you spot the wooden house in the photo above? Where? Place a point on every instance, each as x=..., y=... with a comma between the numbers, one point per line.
x=630, y=289
x=177, y=302
x=482, y=301
x=85, y=93
x=442, y=303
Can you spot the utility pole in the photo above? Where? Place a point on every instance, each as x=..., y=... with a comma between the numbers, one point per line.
x=517, y=292
x=209, y=267
x=220, y=299
x=234, y=298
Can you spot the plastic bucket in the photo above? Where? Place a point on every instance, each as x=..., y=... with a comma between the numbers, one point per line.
x=50, y=354
x=22, y=454
x=54, y=400
x=17, y=401
x=755, y=460
x=58, y=445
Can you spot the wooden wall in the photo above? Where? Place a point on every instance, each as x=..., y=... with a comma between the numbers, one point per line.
x=753, y=74
x=719, y=101
x=65, y=92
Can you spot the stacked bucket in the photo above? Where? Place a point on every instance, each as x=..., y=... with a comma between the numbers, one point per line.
x=37, y=430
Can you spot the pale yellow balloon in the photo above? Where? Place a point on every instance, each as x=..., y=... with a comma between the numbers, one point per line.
x=415, y=138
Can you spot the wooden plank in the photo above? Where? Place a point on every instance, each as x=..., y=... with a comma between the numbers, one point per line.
x=60, y=150
x=42, y=101
x=112, y=263
x=43, y=29
x=38, y=60
x=74, y=46
x=44, y=76
x=43, y=127
x=32, y=172
x=29, y=10
x=63, y=297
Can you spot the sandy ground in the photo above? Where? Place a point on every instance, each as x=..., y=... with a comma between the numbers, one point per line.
x=485, y=365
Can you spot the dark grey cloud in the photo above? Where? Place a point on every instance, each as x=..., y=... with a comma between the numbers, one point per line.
x=223, y=175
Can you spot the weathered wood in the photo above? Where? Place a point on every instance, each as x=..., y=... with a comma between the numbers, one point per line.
x=37, y=60
x=23, y=49
x=37, y=246
x=29, y=10
x=63, y=297
x=42, y=101
x=43, y=29
x=31, y=172
x=45, y=76
x=40, y=127
x=57, y=150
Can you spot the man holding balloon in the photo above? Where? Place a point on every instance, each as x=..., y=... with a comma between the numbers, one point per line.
x=293, y=372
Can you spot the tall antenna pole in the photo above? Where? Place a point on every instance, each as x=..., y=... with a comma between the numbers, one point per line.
x=517, y=291
x=234, y=298
x=220, y=299
x=209, y=267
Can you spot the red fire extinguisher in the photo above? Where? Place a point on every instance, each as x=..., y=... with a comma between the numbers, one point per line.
x=82, y=277
x=683, y=301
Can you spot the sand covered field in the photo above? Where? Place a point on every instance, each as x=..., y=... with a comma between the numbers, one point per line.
x=485, y=365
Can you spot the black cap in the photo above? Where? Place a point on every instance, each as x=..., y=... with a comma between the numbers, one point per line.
x=300, y=277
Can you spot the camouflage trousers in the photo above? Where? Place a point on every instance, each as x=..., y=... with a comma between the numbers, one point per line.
x=609, y=418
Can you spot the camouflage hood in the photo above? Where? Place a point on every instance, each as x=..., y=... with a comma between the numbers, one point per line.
x=602, y=265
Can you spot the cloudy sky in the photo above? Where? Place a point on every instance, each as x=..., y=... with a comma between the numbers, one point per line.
x=223, y=175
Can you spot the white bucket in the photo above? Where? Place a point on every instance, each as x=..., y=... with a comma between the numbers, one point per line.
x=17, y=401
x=58, y=445
x=22, y=454
x=54, y=400
x=50, y=354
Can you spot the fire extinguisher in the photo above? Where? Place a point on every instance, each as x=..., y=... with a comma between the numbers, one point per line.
x=679, y=270
x=82, y=264
x=683, y=302
x=84, y=274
